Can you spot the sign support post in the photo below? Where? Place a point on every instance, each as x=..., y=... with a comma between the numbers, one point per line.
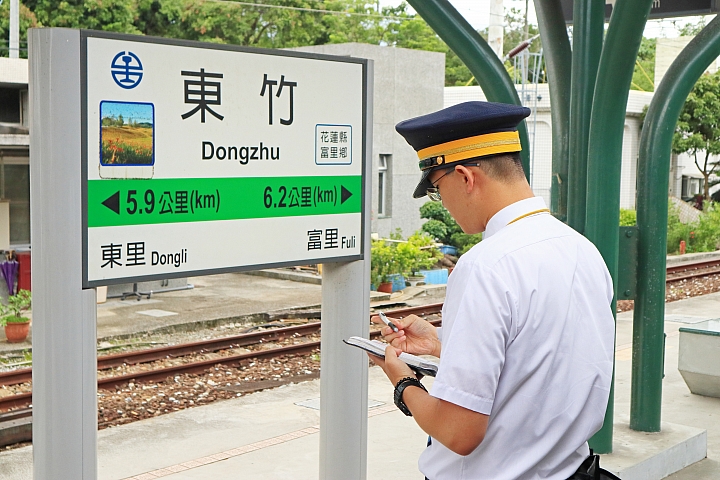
x=343, y=373
x=64, y=315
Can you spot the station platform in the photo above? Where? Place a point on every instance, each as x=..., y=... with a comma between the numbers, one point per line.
x=274, y=434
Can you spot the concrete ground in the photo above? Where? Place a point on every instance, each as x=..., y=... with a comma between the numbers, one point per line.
x=268, y=435
x=679, y=405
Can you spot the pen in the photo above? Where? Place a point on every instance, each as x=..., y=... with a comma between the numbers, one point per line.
x=388, y=322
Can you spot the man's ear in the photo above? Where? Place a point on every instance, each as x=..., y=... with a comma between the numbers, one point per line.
x=468, y=177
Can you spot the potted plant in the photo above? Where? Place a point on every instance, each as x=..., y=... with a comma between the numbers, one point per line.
x=418, y=253
x=16, y=326
x=382, y=264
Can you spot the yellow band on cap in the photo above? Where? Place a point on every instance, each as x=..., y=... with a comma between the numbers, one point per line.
x=477, y=146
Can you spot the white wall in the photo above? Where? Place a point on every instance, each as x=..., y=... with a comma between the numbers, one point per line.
x=408, y=83
x=540, y=121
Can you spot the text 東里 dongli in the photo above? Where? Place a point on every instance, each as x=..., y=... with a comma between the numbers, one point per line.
x=176, y=259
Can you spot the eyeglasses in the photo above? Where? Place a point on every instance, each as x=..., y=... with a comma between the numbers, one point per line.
x=433, y=192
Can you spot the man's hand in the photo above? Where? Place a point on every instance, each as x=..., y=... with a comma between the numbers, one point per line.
x=414, y=335
x=459, y=429
x=394, y=368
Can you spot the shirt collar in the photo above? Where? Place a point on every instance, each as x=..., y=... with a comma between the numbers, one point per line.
x=511, y=212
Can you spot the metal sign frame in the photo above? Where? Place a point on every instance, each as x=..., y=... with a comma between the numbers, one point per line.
x=65, y=313
x=658, y=10
x=86, y=34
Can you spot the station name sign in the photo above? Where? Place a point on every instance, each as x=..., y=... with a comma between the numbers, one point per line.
x=659, y=9
x=202, y=158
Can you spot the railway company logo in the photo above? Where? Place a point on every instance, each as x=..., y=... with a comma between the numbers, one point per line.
x=126, y=70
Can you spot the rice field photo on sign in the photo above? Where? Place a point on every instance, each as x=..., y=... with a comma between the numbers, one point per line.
x=126, y=134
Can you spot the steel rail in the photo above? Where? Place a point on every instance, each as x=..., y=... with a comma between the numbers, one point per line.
x=197, y=367
x=686, y=267
x=24, y=399
x=105, y=362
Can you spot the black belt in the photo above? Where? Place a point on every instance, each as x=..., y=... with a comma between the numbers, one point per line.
x=590, y=470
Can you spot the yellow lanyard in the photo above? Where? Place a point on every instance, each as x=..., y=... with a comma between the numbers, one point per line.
x=542, y=210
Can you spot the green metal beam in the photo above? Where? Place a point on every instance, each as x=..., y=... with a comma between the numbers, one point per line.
x=474, y=51
x=588, y=29
x=652, y=212
x=558, y=56
x=607, y=123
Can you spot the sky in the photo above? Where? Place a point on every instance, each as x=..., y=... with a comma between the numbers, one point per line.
x=477, y=13
x=139, y=112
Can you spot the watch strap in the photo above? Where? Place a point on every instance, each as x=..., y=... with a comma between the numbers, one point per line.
x=400, y=388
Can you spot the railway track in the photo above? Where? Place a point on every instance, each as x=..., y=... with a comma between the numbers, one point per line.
x=15, y=425
x=692, y=270
x=175, y=351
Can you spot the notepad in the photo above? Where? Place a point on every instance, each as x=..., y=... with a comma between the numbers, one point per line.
x=417, y=364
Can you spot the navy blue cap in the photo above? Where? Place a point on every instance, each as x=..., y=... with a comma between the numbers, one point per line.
x=462, y=132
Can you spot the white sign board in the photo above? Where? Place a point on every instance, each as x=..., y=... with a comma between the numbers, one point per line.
x=204, y=159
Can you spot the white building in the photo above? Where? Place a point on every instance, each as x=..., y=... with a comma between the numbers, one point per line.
x=539, y=126
x=15, y=149
x=686, y=180
x=408, y=83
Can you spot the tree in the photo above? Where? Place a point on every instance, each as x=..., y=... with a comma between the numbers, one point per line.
x=27, y=20
x=698, y=128
x=644, y=74
x=259, y=25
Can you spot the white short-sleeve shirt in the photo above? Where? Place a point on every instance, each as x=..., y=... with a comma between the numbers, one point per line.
x=527, y=339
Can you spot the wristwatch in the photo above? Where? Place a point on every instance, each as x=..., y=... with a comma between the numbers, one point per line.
x=400, y=388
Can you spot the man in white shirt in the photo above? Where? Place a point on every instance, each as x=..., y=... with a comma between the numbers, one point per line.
x=526, y=347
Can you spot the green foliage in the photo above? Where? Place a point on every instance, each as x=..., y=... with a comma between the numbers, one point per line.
x=705, y=237
x=406, y=257
x=436, y=229
x=418, y=253
x=698, y=128
x=382, y=261
x=465, y=242
x=677, y=231
x=514, y=32
x=17, y=304
x=628, y=218
x=444, y=228
x=644, y=73
x=700, y=236
x=691, y=28
x=440, y=225
x=253, y=25
x=27, y=20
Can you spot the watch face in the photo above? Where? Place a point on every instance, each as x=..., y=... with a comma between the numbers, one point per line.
x=400, y=388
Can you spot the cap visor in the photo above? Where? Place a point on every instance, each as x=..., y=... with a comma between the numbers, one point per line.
x=421, y=189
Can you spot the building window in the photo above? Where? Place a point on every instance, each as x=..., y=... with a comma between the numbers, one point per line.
x=24, y=108
x=691, y=186
x=10, y=105
x=384, y=185
x=15, y=188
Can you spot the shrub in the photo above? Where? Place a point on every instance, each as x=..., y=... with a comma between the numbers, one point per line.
x=418, y=253
x=17, y=305
x=706, y=233
x=437, y=215
x=628, y=218
x=442, y=227
x=465, y=242
x=700, y=236
x=382, y=261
